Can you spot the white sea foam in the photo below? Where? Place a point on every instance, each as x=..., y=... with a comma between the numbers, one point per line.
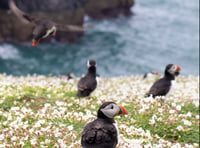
x=8, y=52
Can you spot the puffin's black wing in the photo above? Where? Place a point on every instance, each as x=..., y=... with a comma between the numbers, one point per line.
x=86, y=85
x=99, y=134
x=24, y=17
x=71, y=28
x=160, y=87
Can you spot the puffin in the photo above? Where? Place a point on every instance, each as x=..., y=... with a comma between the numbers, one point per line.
x=103, y=132
x=43, y=27
x=68, y=76
x=88, y=83
x=163, y=86
x=150, y=74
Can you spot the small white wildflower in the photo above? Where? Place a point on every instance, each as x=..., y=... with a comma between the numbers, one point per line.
x=33, y=141
x=179, y=128
x=178, y=108
x=173, y=104
x=152, y=121
x=177, y=145
x=186, y=122
x=14, y=138
x=171, y=111
x=160, y=110
x=1, y=137
x=70, y=127
x=47, y=141
x=189, y=114
x=21, y=143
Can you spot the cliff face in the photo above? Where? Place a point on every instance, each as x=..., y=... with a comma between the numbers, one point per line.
x=108, y=8
x=62, y=11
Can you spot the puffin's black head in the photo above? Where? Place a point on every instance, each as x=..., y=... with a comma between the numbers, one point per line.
x=110, y=109
x=70, y=75
x=41, y=32
x=172, y=70
x=91, y=63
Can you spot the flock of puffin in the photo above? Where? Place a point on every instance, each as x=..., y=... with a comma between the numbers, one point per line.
x=102, y=132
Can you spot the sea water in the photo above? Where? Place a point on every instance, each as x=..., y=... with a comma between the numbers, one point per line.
x=158, y=33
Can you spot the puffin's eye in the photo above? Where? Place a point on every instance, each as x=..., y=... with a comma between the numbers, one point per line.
x=112, y=107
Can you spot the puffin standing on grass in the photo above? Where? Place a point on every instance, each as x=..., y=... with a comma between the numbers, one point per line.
x=163, y=86
x=43, y=28
x=102, y=132
x=88, y=83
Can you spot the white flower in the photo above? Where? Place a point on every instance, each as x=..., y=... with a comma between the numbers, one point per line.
x=2, y=145
x=47, y=141
x=21, y=143
x=62, y=144
x=70, y=127
x=173, y=104
x=1, y=137
x=33, y=141
x=58, y=134
x=189, y=114
x=26, y=138
x=186, y=122
x=179, y=128
x=177, y=145
x=14, y=138
x=160, y=110
x=171, y=111
x=60, y=103
x=178, y=108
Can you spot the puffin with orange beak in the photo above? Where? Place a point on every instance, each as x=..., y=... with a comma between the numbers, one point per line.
x=43, y=28
x=163, y=86
x=103, y=132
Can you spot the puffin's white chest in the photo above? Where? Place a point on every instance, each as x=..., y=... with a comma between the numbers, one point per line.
x=172, y=87
x=115, y=125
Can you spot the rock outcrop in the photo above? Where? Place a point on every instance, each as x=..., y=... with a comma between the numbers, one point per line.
x=62, y=11
x=108, y=8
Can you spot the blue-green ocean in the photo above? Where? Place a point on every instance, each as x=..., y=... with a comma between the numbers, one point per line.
x=160, y=32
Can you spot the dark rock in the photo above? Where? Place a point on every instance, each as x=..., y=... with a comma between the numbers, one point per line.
x=4, y=4
x=108, y=8
x=61, y=11
x=49, y=5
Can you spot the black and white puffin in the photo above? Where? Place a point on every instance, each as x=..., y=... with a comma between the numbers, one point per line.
x=43, y=28
x=88, y=83
x=68, y=76
x=163, y=86
x=103, y=132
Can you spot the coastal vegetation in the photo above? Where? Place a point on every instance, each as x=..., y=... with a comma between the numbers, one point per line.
x=44, y=111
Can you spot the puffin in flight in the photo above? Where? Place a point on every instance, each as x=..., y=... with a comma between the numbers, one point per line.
x=103, y=132
x=162, y=86
x=88, y=83
x=43, y=28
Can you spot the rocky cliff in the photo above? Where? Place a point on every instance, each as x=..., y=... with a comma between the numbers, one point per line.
x=62, y=11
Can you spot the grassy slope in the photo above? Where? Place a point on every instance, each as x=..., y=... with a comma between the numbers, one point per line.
x=44, y=111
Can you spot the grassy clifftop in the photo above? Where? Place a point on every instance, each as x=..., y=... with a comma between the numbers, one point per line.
x=39, y=111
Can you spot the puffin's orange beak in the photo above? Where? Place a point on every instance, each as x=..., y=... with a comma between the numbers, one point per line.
x=124, y=111
x=178, y=67
x=34, y=43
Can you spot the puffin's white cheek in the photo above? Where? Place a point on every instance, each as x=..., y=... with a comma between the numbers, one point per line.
x=109, y=113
